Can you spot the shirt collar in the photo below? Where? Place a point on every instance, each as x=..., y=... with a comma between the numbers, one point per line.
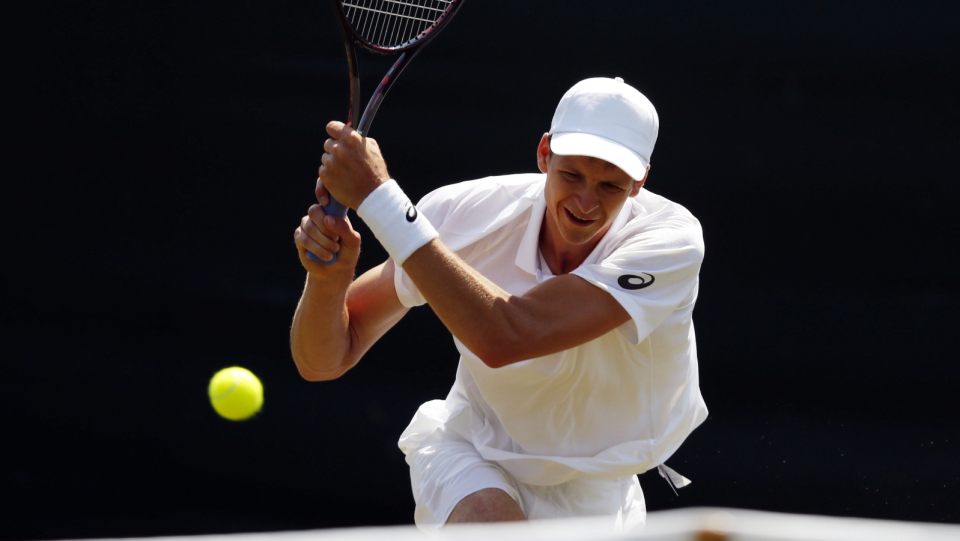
x=529, y=251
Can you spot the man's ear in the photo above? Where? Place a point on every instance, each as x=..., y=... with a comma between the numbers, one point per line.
x=543, y=153
x=639, y=184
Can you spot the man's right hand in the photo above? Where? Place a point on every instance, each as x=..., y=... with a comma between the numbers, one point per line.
x=323, y=236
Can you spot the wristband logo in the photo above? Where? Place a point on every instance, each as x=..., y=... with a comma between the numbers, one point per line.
x=632, y=281
x=412, y=213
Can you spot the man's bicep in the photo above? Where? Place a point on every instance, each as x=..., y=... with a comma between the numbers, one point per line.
x=373, y=306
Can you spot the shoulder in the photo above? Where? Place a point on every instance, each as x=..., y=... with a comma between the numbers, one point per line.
x=491, y=195
x=658, y=227
x=661, y=218
x=502, y=187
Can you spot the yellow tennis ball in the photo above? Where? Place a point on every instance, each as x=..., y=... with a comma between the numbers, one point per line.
x=235, y=393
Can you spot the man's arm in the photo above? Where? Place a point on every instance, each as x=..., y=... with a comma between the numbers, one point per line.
x=338, y=319
x=501, y=328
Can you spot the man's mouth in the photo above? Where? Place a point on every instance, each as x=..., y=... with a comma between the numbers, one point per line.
x=578, y=221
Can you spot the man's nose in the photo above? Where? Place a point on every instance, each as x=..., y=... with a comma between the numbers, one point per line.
x=586, y=201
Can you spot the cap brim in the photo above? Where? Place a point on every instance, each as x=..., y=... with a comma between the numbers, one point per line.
x=594, y=146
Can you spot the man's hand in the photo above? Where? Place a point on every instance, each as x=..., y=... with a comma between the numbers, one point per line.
x=352, y=166
x=323, y=236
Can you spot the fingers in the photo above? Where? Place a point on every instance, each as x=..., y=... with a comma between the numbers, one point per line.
x=338, y=131
x=319, y=229
x=334, y=128
x=324, y=235
x=314, y=236
x=335, y=155
x=327, y=174
x=349, y=239
x=323, y=195
x=352, y=166
x=306, y=244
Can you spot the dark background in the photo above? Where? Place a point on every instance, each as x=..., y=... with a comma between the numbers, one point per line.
x=158, y=158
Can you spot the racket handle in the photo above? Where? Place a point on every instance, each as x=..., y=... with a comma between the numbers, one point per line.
x=332, y=209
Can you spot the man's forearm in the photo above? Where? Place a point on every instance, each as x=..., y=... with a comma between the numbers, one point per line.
x=336, y=323
x=462, y=298
x=320, y=337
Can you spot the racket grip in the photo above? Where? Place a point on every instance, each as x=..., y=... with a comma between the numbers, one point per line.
x=332, y=209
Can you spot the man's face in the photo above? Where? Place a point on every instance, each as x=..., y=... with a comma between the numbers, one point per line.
x=583, y=195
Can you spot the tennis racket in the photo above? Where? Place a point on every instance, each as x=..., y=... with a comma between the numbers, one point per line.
x=401, y=27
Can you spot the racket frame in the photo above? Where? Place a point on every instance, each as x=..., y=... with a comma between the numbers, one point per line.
x=407, y=50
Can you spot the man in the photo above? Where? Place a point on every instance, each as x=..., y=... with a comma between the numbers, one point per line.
x=569, y=295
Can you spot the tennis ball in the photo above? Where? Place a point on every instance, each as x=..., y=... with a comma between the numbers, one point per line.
x=235, y=393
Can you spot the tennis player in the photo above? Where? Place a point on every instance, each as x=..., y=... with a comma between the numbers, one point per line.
x=568, y=293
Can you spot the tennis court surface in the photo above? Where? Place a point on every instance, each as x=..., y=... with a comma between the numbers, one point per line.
x=694, y=524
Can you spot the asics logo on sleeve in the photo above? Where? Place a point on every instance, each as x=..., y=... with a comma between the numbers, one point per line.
x=412, y=213
x=632, y=281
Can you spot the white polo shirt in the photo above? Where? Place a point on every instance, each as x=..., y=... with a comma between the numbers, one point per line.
x=618, y=405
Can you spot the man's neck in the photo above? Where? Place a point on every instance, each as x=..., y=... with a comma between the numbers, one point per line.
x=561, y=256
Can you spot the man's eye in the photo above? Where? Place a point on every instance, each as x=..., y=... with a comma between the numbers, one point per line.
x=613, y=188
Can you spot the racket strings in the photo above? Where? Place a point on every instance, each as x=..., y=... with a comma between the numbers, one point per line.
x=391, y=23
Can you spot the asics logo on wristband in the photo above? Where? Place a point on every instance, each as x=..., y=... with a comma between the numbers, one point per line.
x=632, y=281
x=380, y=211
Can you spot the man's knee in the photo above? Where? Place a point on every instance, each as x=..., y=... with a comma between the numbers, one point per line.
x=486, y=505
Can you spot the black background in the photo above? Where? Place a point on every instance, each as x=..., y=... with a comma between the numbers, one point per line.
x=159, y=156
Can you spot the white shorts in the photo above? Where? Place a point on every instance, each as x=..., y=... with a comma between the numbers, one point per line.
x=443, y=473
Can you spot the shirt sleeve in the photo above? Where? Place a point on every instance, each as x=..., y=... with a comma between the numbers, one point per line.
x=465, y=212
x=435, y=206
x=651, y=272
x=407, y=291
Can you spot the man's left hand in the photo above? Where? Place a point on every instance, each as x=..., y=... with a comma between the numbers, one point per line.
x=352, y=166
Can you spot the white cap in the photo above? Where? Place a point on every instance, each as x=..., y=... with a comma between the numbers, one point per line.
x=606, y=119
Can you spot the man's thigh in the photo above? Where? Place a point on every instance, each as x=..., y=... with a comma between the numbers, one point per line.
x=451, y=477
x=452, y=483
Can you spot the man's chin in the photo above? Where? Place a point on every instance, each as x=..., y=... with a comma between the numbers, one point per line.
x=578, y=237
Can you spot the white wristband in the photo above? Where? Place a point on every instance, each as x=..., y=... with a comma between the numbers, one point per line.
x=395, y=221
